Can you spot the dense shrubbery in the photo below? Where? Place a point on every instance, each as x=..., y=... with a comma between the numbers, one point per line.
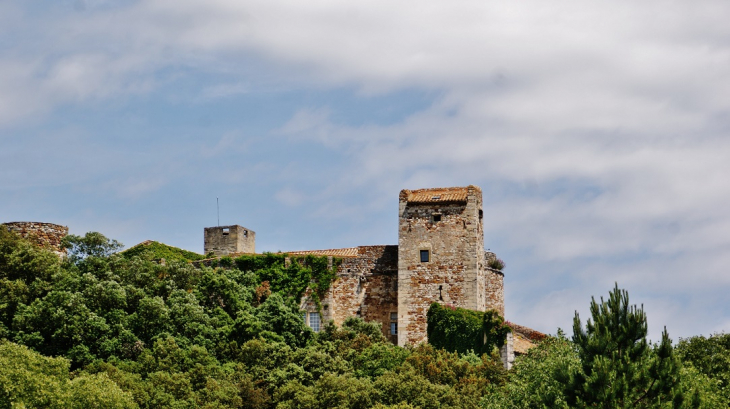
x=179, y=336
x=293, y=279
x=156, y=251
x=128, y=332
x=461, y=330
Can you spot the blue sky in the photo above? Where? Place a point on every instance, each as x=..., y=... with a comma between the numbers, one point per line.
x=598, y=133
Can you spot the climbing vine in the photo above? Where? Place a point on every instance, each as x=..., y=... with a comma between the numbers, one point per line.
x=461, y=330
x=156, y=251
x=291, y=278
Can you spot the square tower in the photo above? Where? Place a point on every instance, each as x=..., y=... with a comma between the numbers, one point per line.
x=440, y=255
x=224, y=240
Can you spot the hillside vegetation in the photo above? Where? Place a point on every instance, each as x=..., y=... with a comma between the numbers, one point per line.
x=101, y=329
x=153, y=250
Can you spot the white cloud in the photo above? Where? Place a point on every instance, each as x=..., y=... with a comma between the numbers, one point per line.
x=605, y=123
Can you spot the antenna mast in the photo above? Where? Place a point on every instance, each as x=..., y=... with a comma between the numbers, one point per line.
x=218, y=208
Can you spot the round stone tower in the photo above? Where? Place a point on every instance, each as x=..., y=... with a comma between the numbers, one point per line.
x=48, y=235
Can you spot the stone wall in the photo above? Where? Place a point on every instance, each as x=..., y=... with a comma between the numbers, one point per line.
x=507, y=352
x=494, y=290
x=390, y=284
x=366, y=286
x=46, y=234
x=447, y=224
x=225, y=240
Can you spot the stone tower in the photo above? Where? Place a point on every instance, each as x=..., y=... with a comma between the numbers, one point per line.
x=441, y=257
x=48, y=235
x=224, y=240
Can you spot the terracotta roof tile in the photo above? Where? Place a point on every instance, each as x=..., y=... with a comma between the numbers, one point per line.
x=524, y=337
x=438, y=195
x=346, y=252
x=521, y=344
x=526, y=332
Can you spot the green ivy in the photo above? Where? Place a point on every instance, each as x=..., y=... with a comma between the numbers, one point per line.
x=461, y=330
x=155, y=251
x=294, y=278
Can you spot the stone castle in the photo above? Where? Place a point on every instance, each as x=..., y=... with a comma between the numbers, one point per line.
x=440, y=257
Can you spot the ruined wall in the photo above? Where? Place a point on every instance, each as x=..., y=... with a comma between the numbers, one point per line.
x=46, y=234
x=224, y=240
x=494, y=290
x=448, y=224
x=366, y=286
x=491, y=284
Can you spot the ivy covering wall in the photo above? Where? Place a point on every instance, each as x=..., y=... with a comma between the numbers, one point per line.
x=292, y=278
x=156, y=251
x=461, y=330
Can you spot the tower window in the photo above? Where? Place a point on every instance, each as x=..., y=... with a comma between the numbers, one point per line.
x=393, y=323
x=425, y=256
x=226, y=231
x=436, y=217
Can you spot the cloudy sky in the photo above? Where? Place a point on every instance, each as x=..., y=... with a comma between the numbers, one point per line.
x=598, y=132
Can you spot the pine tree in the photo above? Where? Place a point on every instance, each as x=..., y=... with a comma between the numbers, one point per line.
x=619, y=368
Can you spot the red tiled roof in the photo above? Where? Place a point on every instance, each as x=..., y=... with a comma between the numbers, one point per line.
x=438, y=195
x=346, y=252
x=524, y=337
x=520, y=344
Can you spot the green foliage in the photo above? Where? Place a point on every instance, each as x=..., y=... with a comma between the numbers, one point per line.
x=290, y=279
x=28, y=379
x=709, y=357
x=496, y=263
x=26, y=272
x=155, y=251
x=377, y=359
x=92, y=244
x=330, y=391
x=531, y=382
x=462, y=330
x=619, y=369
x=140, y=334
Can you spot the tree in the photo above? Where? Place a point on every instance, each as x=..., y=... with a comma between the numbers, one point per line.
x=710, y=357
x=619, y=368
x=92, y=244
x=531, y=383
x=28, y=379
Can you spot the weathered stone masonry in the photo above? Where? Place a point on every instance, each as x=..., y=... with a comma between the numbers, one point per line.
x=46, y=234
x=224, y=240
x=366, y=286
x=440, y=258
x=392, y=284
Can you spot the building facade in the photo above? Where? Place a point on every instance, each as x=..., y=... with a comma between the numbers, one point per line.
x=440, y=258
